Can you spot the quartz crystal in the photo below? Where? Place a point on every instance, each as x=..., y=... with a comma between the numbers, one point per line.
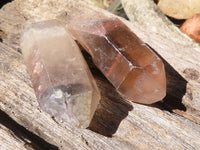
x=132, y=67
x=63, y=83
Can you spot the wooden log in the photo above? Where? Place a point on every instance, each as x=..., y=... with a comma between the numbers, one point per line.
x=117, y=124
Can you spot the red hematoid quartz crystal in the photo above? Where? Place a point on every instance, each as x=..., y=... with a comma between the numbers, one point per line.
x=132, y=67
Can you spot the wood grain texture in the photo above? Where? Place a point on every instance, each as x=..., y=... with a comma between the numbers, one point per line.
x=8, y=142
x=171, y=124
x=14, y=136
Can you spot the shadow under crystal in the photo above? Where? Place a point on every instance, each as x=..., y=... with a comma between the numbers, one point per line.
x=112, y=108
x=176, y=88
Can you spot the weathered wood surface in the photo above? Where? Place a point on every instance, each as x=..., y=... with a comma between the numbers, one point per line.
x=16, y=137
x=118, y=124
x=8, y=141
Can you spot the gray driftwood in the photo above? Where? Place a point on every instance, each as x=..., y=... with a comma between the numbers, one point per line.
x=173, y=123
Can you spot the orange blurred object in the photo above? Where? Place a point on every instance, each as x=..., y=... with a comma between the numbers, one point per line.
x=191, y=27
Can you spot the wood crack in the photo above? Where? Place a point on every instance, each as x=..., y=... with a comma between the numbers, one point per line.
x=24, y=135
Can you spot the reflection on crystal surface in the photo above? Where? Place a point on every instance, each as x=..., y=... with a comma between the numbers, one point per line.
x=135, y=71
x=61, y=79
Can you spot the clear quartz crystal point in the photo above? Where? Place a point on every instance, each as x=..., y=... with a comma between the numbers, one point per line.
x=60, y=76
x=132, y=67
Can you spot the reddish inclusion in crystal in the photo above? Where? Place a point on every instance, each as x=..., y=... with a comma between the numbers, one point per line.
x=36, y=71
x=136, y=72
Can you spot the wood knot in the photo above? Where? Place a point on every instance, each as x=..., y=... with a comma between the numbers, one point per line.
x=189, y=92
x=191, y=73
x=2, y=35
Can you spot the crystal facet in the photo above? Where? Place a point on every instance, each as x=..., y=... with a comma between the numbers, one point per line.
x=132, y=67
x=61, y=79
